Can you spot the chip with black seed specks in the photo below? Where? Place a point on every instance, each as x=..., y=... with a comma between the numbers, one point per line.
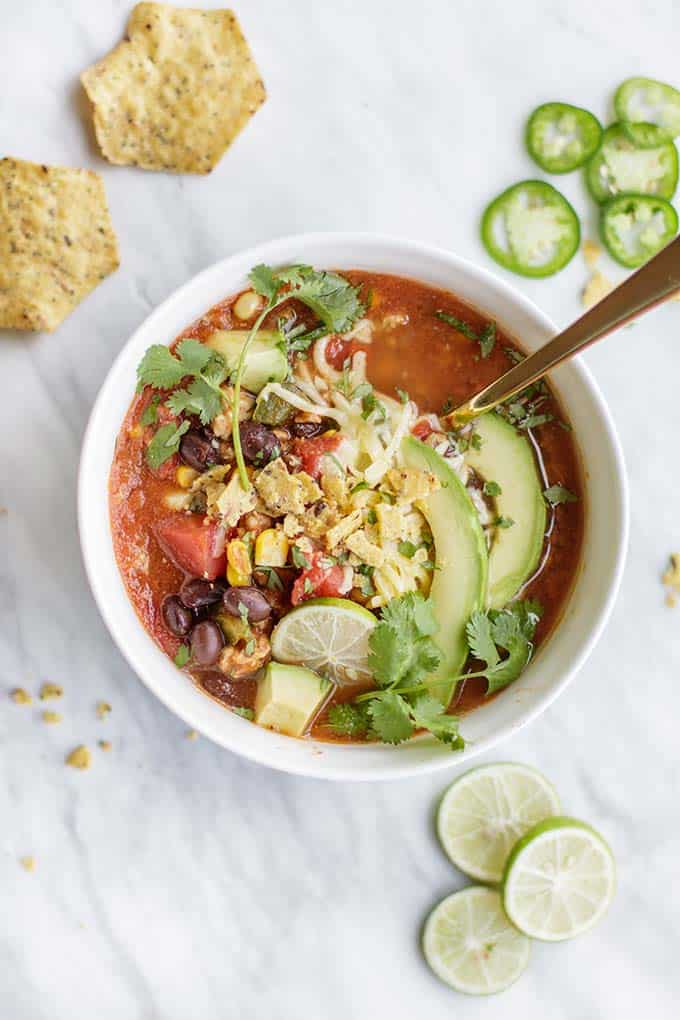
x=56, y=242
x=175, y=93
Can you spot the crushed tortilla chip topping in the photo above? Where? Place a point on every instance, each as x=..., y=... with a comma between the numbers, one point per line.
x=598, y=287
x=56, y=242
x=48, y=691
x=176, y=92
x=103, y=708
x=20, y=696
x=27, y=863
x=79, y=758
x=592, y=253
x=51, y=718
x=671, y=578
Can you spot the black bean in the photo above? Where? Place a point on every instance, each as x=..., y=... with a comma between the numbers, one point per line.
x=207, y=641
x=195, y=592
x=197, y=451
x=255, y=603
x=306, y=429
x=259, y=444
x=177, y=618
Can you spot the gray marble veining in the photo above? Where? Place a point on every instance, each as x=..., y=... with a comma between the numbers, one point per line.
x=174, y=880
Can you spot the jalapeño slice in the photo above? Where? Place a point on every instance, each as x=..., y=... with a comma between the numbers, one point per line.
x=643, y=135
x=621, y=167
x=531, y=229
x=643, y=99
x=561, y=137
x=635, y=227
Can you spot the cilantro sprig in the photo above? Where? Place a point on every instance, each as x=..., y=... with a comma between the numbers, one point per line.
x=557, y=494
x=333, y=300
x=511, y=631
x=163, y=369
x=402, y=654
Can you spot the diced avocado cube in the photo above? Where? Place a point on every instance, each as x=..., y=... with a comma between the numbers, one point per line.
x=289, y=697
x=265, y=362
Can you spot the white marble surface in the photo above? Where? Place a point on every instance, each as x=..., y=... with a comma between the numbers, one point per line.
x=173, y=880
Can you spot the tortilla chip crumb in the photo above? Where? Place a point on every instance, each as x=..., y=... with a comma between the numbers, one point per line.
x=103, y=709
x=591, y=253
x=671, y=578
x=51, y=717
x=597, y=287
x=105, y=745
x=191, y=735
x=48, y=691
x=27, y=863
x=20, y=696
x=79, y=758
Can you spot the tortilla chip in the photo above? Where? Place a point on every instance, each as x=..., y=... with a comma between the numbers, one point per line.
x=56, y=242
x=176, y=93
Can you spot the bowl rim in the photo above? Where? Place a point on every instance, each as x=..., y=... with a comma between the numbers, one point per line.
x=315, y=766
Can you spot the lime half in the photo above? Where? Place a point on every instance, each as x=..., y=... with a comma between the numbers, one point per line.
x=469, y=943
x=484, y=813
x=329, y=636
x=559, y=880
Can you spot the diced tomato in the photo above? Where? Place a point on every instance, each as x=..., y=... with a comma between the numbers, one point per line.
x=321, y=579
x=422, y=429
x=339, y=350
x=164, y=415
x=312, y=452
x=194, y=543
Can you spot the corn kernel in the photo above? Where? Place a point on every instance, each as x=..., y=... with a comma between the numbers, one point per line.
x=136, y=432
x=247, y=305
x=238, y=563
x=186, y=476
x=271, y=548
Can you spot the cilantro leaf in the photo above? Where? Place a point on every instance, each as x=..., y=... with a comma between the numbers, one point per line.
x=194, y=356
x=165, y=443
x=198, y=398
x=264, y=282
x=486, y=339
x=401, y=647
x=245, y=713
x=492, y=489
x=557, y=494
x=428, y=713
x=160, y=369
x=407, y=549
x=391, y=718
x=479, y=639
x=332, y=298
x=388, y=656
x=458, y=324
x=348, y=720
x=150, y=413
x=512, y=630
x=182, y=656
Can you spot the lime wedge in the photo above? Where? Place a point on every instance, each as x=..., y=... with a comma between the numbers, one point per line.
x=469, y=943
x=483, y=814
x=329, y=636
x=559, y=880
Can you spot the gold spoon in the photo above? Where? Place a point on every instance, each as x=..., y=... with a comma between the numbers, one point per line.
x=656, y=281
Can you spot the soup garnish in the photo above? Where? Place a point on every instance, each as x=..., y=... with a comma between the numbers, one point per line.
x=301, y=531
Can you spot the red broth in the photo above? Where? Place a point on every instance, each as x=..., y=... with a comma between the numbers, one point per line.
x=411, y=349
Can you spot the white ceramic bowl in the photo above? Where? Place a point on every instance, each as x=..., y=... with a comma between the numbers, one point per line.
x=606, y=514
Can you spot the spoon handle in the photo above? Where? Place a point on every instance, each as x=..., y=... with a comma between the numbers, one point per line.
x=657, y=280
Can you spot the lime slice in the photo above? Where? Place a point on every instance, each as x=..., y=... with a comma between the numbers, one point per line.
x=559, y=880
x=469, y=943
x=329, y=636
x=483, y=814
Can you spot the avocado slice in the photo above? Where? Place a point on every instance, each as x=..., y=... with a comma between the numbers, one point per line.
x=459, y=581
x=507, y=458
x=289, y=697
x=266, y=361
